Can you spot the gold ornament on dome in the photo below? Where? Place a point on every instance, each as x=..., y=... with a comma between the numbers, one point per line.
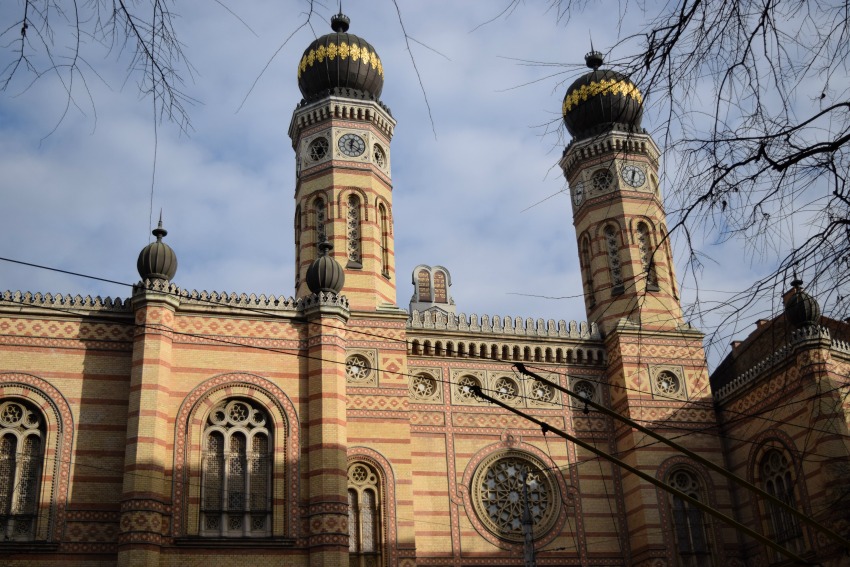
x=343, y=51
x=602, y=87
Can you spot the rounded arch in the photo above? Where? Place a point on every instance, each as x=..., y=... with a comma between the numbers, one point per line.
x=707, y=493
x=189, y=426
x=59, y=430
x=342, y=200
x=382, y=466
x=379, y=202
x=599, y=231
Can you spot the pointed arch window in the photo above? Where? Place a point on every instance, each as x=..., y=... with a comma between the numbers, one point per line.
x=355, y=258
x=784, y=528
x=588, y=272
x=364, y=516
x=692, y=543
x=21, y=456
x=321, y=218
x=645, y=248
x=236, y=473
x=385, y=240
x=613, y=247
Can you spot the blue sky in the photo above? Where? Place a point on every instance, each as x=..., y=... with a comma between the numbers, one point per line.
x=78, y=197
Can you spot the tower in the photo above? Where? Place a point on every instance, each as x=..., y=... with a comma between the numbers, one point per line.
x=341, y=135
x=611, y=165
x=657, y=371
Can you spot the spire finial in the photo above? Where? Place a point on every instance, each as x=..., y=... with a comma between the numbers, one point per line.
x=340, y=22
x=159, y=232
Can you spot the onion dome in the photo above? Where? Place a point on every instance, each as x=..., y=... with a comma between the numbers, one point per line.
x=601, y=100
x=325, y=274
x=157, y=261
x=801, y=309
x=340, y=60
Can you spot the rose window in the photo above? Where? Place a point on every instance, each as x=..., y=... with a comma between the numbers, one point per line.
x=505, y=389
x=357, y=368
x=318, y=149
x=542, y=392
x=504, y=486
x=602, y=179
x=423, y=387
x=667, y=383
x=584, y=389
x=465, y=388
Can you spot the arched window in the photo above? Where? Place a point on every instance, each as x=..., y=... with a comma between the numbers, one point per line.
x=614, y=267
x=364, y=516
x=777, y=480
x=354, y=254
x=688, y=521
x=588, y=272
x=236, y=473
x=645, y=248
x=669, y=254
x=385, y=240
x=21, y=455
x=297, y=227
x=320, y=217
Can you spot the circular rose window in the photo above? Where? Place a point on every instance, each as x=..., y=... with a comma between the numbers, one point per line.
x=504, y=485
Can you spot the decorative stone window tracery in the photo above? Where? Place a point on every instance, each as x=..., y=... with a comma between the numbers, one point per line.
x=320, y=217
x=506, y=389
x=385, y=241
x=318, y=149
x=667, y=382
x=778, y=481
x=614, y=267
x=379, y=156
x=505, y=484
x=645, y=249
x=354, y=247
x=21, y=456
x=588, y=271
x=602, y=179
x=692, y=543
x=541, y=392
x=586, y=390
x=364, y=516
x=236, y=472
x=465, y=387
x=358, y=368
x=423, y=387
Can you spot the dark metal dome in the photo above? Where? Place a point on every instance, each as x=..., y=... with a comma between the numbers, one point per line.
x=340, y=60
x=325, y=274
x=157, y=261
x=801, y=309
x=600, y=100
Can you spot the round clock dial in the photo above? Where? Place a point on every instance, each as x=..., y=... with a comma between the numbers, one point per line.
x=633, y=175
x=351, y=145
x=578, y=193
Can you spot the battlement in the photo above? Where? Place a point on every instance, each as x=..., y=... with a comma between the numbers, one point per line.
x=66, y=301
x=516, y=326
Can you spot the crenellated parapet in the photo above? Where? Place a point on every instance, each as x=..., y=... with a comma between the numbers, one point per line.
x=66, y=301
x=751, y=374
x=342, y=104
x=516, y=326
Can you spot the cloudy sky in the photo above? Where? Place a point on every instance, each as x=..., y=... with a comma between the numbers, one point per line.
x=476, y=183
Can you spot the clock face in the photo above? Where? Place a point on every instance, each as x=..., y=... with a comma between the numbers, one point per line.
x=578, y=193
x=351, y=145
x=633, y=175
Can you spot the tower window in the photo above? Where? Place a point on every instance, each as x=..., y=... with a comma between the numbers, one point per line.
x=645, y=249
x=379, y=156
x=588, y=272
x=385, y=241
x=602, y=179
x=354, y=256
x=321, y=217
x=614, y=260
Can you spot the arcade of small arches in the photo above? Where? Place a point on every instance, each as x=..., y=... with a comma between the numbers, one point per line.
x=461, y=349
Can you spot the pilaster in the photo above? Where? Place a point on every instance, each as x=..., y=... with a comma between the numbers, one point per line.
x=145, y=499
